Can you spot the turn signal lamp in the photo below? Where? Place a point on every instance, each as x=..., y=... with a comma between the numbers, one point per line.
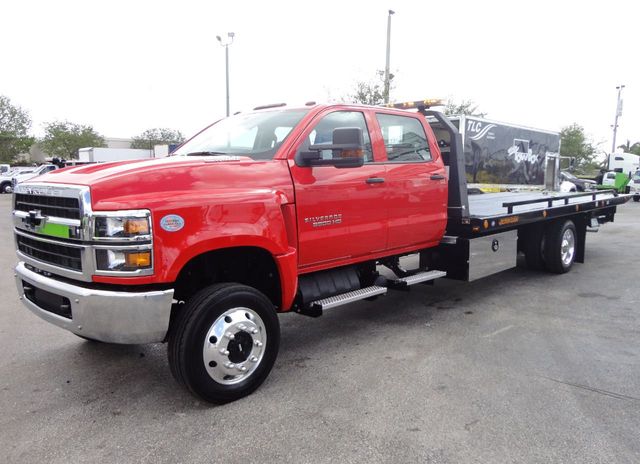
x=138, y=260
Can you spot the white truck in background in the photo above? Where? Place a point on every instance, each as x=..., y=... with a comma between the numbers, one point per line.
x=7, y=177
x=101, y=155
x=634, y=185
x=25, y=175
x=627, y=163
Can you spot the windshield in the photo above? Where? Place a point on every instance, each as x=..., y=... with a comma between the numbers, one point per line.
x=257, y=135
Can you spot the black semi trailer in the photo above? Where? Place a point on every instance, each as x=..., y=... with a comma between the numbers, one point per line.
x=498, y=155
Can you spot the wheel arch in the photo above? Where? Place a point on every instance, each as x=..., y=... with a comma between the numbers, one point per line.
x=250, y=265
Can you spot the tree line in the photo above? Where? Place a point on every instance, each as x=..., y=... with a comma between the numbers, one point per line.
x=62, y=139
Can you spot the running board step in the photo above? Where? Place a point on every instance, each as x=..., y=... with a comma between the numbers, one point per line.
x=349, y=297
x=418, y=278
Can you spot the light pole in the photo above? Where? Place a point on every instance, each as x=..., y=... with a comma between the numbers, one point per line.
x=386, y=68
x=225, y=44
x=618, y=114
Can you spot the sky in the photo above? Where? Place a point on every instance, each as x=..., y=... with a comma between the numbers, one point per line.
x=127, y=66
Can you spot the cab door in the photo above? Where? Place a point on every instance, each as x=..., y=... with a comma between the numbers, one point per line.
x=416, y=180
x=341, y=213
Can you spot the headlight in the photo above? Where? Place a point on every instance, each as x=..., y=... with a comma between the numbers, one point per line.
x=124, y=242
x=123, y=226
x=122, y=260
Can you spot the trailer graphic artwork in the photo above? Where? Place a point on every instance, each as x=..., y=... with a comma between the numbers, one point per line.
x=497, y=153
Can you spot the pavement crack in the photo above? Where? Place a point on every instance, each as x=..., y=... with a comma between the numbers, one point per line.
x=499, y=331
x=468, y=426
x=600, y=391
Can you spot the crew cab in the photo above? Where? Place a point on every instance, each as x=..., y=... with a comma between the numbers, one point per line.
x=279, y=209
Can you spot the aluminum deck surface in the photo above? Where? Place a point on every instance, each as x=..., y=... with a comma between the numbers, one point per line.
x=490, y=204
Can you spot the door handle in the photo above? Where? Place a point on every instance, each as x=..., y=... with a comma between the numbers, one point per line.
x=375, y=180
x=437, y=177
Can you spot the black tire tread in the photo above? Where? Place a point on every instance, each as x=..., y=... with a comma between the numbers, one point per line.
x=553, y=240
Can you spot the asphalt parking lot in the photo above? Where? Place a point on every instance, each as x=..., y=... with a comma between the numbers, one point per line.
x=518, y=367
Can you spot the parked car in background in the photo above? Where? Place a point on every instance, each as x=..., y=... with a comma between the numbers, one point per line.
x=581, y=185
x=26, y=175
x=6, y=177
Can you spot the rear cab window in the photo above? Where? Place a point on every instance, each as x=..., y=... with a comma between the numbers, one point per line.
x=404, y=138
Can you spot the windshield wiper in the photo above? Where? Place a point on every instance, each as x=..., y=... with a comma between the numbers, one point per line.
x=207, y=153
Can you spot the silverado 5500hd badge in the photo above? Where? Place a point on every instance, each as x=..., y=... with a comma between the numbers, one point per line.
x=322, y=221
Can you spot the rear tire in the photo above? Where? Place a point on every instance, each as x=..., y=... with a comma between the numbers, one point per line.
x=561, y=240
x=224, y=342
x=636, y=198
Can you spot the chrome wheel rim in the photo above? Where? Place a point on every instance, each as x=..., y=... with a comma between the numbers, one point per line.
x=234, y=346
x=568, y=247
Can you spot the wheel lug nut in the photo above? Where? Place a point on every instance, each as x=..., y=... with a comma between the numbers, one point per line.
x=258, y=343
x=242, y=368
x=224, y=352
x=254, y=331
x=253, y=359
x=242, y=327
x=229, y=335
x=229, y=365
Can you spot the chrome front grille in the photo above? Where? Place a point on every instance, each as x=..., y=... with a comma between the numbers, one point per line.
x=56, y=254
x=62, y=207
x=54, y=232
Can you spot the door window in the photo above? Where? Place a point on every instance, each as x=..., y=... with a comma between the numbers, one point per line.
x=404, y=138
x=322, y=133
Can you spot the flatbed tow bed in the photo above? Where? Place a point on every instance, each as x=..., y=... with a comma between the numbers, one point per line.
x=491, y=212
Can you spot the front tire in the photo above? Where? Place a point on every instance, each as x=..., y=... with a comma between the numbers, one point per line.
x=6, y=188
x=224, y=342
x=561, y=240
x=636, y=198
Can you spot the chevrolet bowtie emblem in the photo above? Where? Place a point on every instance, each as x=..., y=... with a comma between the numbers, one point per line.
x=34, y=219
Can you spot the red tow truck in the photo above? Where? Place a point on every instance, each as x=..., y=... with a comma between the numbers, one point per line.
x=279, y=209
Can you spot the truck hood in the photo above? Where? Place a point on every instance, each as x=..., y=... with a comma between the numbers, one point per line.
x=140, y=183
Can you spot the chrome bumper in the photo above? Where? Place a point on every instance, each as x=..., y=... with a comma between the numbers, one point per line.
x=113, y=317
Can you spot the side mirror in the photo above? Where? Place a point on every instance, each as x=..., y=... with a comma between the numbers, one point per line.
x=347, y=147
